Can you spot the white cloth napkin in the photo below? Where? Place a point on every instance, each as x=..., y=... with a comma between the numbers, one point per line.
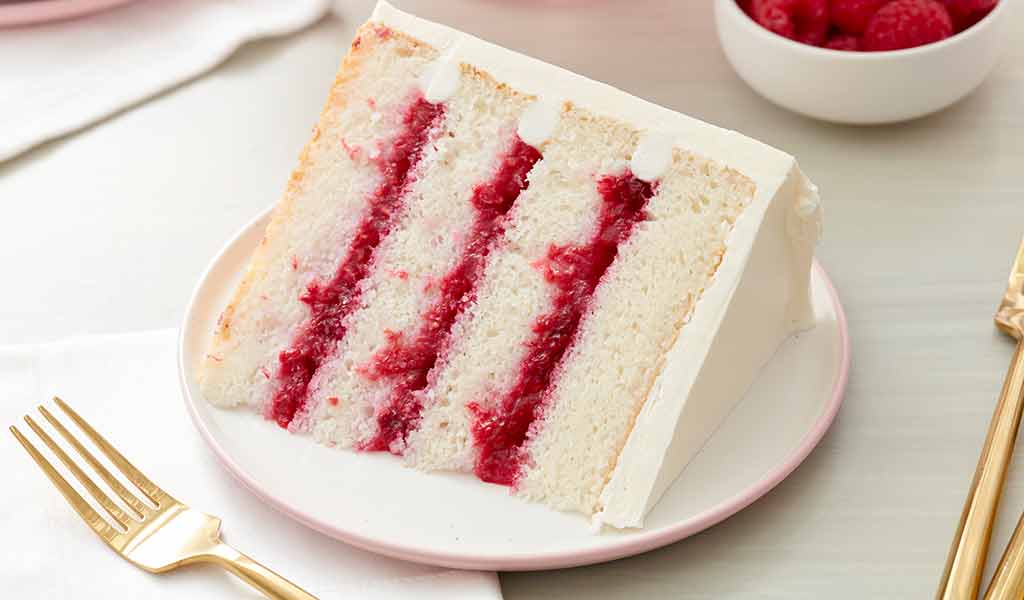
x=59, y=77
x=126, y=386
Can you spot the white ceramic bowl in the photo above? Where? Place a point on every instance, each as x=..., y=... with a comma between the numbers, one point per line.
x=860, y=87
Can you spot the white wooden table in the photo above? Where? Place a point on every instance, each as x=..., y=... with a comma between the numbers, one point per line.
x=107, y=230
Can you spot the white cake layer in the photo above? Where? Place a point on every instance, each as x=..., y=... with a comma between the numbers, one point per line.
x=321, y=208
x=559, y=207
x=479, y=125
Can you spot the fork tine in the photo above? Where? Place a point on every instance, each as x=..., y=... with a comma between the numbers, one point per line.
x=90, y=516
x=133, y=502
x=112, y=509
x=152, y=491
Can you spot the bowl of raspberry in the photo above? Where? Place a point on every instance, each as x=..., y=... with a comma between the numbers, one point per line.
x=862, y=61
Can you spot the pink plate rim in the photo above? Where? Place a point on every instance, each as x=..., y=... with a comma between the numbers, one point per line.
x=41, y=11
x=628, y=545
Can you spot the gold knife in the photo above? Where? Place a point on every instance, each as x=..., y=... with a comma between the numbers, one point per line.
x=962, y=576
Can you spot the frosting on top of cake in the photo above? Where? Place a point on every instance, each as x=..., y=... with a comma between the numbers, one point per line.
x=555, y=84
x=440, y=79
x=652, y=156
x=538, y=122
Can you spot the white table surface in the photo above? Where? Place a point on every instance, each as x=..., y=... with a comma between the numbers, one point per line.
x=108, y=229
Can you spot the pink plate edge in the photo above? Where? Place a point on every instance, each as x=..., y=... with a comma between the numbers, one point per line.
x=628, y=546
x=31, y=13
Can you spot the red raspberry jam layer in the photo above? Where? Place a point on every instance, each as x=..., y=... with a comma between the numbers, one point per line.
x=329, y=303
x=407, y=361
x=500, y=432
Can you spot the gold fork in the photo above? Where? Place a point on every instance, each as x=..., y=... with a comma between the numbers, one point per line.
x=962, y=576
x=159, y=535
x=1008, y=582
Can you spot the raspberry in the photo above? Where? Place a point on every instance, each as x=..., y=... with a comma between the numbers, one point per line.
x=744, y=5
x=968, y=12
x=843, y=41
x=906, y=24
x=805, y=21
x=852, y=16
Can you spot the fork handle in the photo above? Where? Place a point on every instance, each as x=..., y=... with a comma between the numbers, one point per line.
x=270, y=583
x=1008, y=582
x=962, y=576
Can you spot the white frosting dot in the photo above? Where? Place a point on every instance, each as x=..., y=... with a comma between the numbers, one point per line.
x=538, y=122
x=440, y=80
x=807, y=202
x=651, y=157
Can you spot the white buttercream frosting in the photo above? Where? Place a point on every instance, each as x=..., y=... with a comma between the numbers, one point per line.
x=538, y=122
x=804, y=223
x=652, y=156
x=440, y=79
x=760, y=292
x=808, y=202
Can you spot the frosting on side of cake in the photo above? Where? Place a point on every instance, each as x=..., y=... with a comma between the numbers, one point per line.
x=733, y=331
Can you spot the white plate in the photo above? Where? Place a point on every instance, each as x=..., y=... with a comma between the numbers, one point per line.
x=372, y=501
x=41, y=11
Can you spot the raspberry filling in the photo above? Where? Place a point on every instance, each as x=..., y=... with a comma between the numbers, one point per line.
x=407, y=361
x=499, y=432
x=330, y=302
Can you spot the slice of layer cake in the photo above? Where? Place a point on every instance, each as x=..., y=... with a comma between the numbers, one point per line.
x=484, y=263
